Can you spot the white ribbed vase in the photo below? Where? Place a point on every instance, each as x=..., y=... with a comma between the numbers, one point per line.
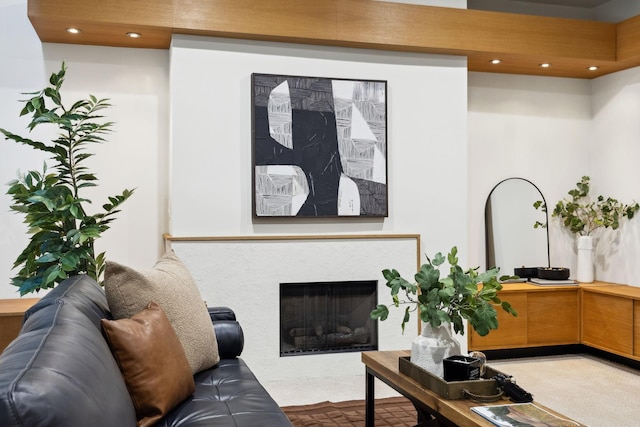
x=432, y=346
x=584, y=273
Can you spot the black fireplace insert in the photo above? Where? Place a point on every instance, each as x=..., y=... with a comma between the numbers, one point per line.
x=327, y=317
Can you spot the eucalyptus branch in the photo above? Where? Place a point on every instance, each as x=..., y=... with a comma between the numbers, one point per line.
x=583, y=215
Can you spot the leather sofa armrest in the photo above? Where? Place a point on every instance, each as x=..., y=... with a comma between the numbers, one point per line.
x=221, y=313
x=230, y=338
x=228, y=332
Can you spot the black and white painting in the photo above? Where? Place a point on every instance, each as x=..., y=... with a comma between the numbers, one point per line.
x=319, y=146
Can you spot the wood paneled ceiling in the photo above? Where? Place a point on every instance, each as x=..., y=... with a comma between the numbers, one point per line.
x=521, y=42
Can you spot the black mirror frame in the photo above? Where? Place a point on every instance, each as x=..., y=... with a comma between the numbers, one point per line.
x=488, y=226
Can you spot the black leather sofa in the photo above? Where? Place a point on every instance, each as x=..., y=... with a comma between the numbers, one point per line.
x=60, y=372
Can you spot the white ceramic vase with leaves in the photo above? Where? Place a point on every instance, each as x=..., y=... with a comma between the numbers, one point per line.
x=432, y=346
x=444, y=303
x=583, y=216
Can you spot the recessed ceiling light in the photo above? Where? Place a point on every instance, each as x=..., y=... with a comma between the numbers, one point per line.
x=496, y=61
x=134, y=35
x=545, y=65
x=73, y=30
x=593, y=68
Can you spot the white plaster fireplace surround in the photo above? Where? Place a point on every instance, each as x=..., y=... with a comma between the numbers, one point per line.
x=245, y=273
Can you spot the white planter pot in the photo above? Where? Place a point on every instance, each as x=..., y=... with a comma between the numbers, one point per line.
x=584, y=273
x=432, y=346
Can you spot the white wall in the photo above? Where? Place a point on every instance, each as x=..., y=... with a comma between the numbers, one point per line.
x=246, y=275
x=211, y=159
x=136, y=154
x=211, y=137
x=533, y=127
x=552, y=131
x=183, y=128
x=615, y=153
x=537, y=128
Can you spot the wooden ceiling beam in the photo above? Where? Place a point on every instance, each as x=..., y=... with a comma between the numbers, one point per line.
x=521, y=42
x=628, y=41
x=104, y=23
x=280, y=20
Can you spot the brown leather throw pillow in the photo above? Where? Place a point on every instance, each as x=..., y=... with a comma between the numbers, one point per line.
x=152, y=362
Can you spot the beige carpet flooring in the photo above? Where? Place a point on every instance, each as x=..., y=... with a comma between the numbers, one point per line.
x=590, y=390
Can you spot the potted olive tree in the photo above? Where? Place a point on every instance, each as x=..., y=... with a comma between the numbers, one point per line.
x=583, y=216
x=442, y=302
x=56, y=214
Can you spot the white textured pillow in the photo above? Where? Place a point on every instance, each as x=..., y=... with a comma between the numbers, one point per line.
x=171, y=286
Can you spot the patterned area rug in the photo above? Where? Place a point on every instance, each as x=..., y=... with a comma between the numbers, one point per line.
x=390, y=412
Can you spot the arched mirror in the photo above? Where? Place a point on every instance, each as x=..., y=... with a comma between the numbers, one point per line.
x=511, y=239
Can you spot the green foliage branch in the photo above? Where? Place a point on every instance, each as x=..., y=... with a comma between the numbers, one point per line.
x=583, y=215
x=460, y=295
x=62, y=232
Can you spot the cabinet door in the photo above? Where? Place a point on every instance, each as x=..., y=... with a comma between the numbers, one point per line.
x=511, y=332
x=553, y=318
x=9, y=329
x=11, y=315
x=607, y=322
x=636, y=328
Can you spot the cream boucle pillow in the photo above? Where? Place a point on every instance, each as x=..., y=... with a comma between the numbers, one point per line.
x=171, y=286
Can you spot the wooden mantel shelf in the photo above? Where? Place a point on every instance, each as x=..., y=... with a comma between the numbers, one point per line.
x=522, y=42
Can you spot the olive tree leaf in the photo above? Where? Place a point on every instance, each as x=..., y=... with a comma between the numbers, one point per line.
x=462, y=294
x=380, y=312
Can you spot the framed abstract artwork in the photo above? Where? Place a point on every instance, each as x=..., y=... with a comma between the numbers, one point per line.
x=319, y=147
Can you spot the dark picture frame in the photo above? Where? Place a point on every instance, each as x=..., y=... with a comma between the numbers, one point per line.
x=319, y=147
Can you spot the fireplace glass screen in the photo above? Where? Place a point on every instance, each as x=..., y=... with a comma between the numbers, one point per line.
x=327, y=317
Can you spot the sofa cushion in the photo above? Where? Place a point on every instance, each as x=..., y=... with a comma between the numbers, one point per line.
x=228, y=395
x=152, y=362
x=59, y=371
x=169, y=284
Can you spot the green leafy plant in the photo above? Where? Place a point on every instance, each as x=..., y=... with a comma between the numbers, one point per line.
x=583, y=215
x=460, y=295
x=62, y=232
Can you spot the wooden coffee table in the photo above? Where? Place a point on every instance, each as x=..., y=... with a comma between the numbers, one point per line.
x=432, y=409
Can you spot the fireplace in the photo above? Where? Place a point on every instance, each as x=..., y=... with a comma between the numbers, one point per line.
x=327, y=317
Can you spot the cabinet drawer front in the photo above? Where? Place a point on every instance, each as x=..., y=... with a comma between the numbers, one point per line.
x=607, y=322
x=636, y=328
x=553, y=318
x=511, y=332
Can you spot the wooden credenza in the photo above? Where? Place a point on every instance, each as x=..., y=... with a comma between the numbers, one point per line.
x=611, y=319
x=601, y=315
x=11, y=315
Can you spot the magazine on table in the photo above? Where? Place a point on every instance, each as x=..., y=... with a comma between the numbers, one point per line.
x=523, y=415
